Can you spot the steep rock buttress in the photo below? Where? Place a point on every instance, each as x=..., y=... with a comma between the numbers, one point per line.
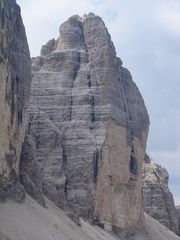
x=88, y=126
x=158, y=200
x=15, y=78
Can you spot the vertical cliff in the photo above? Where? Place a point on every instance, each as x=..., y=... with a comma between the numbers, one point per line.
x=89, y=126
x=158, y=200
x=15, y=78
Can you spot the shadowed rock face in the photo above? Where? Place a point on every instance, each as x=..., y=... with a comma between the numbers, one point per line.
x=30, y=175
x=89, y=125
x=178, y=215
x=158, y=200
x=15, y=78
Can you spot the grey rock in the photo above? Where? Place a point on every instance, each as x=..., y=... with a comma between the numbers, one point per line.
x=178, y=216
x=15, y=79
x=48, y=47
x=158, y=200
x=89, y=124
x=30, y=175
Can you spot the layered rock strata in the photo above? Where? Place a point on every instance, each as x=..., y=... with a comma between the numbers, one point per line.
x=15, y=78
x=158, y=200
x=89, y=125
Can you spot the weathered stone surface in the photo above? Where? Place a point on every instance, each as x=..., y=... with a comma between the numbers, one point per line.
x=30, y=174
x=49, y=47
x=158, y=200
x=178, y=215
x=89, y=124
x=15, y=78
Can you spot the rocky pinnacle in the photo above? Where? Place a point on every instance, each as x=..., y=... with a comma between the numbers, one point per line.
x=88, y=126
x=158, y=200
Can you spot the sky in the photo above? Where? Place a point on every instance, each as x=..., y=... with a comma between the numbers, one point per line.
x=146, y=36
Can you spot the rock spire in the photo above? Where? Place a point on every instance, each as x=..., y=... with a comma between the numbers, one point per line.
x=88, y=125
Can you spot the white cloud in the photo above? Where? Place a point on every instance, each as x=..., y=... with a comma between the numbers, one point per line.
x=176, y=189
x=177, y=201
x=42, y=18
x=167, y=15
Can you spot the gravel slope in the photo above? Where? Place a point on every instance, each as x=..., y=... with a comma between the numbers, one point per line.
x=30, y=221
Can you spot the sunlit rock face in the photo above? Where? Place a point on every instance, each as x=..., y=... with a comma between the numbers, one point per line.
x=158, y=200
x=89, y=125
x=15, y=78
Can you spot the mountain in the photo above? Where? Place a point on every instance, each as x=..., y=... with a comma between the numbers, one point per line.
x=15, y=79
x=178, y=215
x=158, y=200
x=88, y=127
x=81, y=152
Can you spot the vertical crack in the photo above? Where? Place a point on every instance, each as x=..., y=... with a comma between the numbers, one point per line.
x=64, y=156
x=71, y=104
x=123, y=90
x=95, y=165
x=133, y=166
x=89, y=80
x=74, y=76
x=92, y=103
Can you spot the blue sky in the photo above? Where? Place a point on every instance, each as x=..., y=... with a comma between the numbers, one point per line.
x=146, y=36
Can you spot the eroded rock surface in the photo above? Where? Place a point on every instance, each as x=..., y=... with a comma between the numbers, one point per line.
x=89, y=124
x=158, y=200
x=30, y=174
x=15, y=78
x=178, y=215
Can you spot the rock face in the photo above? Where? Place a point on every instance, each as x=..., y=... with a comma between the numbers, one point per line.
x=15, y=78
x=158, y=200
x=89, y=125
x=30, y=175
x=178, y=215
